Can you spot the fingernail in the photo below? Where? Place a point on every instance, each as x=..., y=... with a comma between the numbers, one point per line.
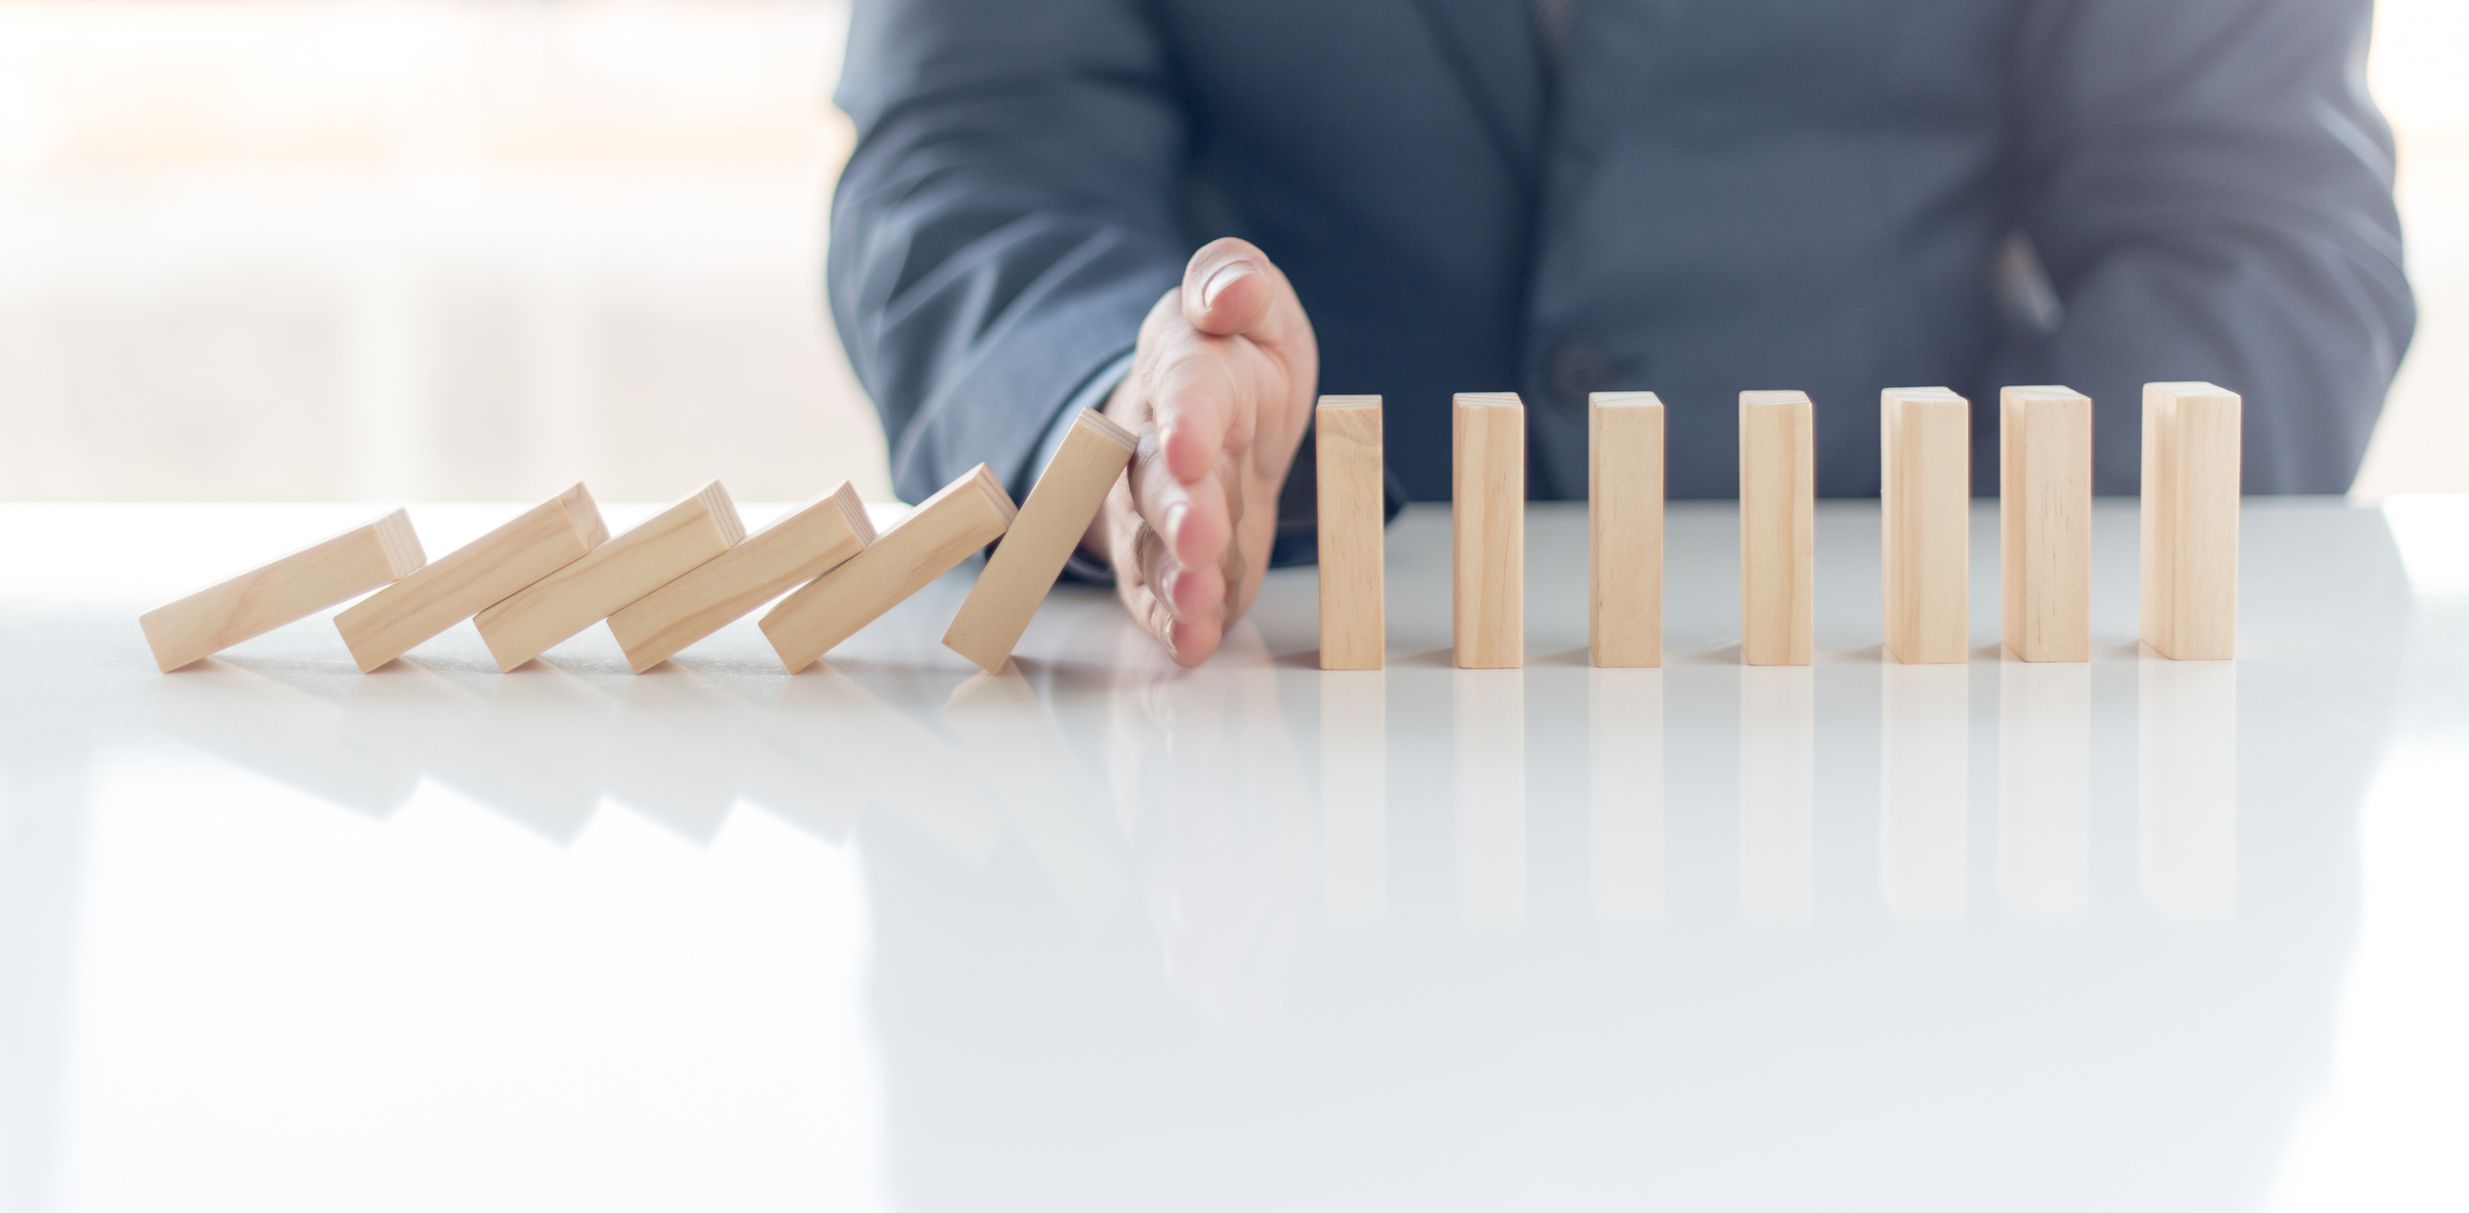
x=1219, y=281
x=1174, y=523
x=1166, y=586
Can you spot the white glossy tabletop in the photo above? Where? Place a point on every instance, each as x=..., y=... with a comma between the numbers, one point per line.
x=2126, y=935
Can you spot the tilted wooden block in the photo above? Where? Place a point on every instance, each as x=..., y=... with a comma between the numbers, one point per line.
x=942, y=531
x=282, y=591
x=1051, y=523
x=2045, y=523
x=1925, y=489
x=798, y=547
x=1353, y=589
x=1778, y=498
x=1488, y=517
x=621, y=571
x=462, y=583
x=2192, y=439
x=1624, y=529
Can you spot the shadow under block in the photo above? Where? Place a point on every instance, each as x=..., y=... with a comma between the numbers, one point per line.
x=1624, y=529
x=1778, y=500
x=1353, y=590
x=464, y=582
x=2045, y=523
x=1925, y=491
x=1050, y=524
x=282, y=591
x=796, y=548
x=623, y=570
x=2192, y=436
x=1488, y=522
x=961, y=518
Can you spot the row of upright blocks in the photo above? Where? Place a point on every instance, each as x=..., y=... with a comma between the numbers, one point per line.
x=2191, y=453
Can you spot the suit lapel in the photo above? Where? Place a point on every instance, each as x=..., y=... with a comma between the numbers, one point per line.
x=1493, y=46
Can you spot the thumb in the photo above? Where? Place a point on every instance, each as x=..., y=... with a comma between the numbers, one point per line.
x=1229, y=289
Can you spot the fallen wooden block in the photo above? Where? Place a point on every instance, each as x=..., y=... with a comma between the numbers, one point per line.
x=454, y=587
x=1778, y=492
x=2045, y=523
x=2192, y=437
x=1050, y=524
x=942, y=531
x=1925, y=489
x=282, y=591
x=1353, y=606
x=1488, y=517
x=798, y=547
x=621, y=571
x=1624, y=529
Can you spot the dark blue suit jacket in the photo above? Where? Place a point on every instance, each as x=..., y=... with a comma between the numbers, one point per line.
x=1705, y=196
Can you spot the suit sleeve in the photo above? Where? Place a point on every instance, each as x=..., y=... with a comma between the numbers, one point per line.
x=1005, y=222
x=2209, y=187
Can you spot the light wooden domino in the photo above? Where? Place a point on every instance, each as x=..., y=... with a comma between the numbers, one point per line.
x=462, y=583
x=1353, y=607
x=1925, y=489
x=798, y=547
x=1778, y=492
x=942, y=531
x=282, y=591
x=2045, y=523
x=1624, y=529
x=621, y=571
x=1488, y=522
x=2192, y=437
x=1050, y=524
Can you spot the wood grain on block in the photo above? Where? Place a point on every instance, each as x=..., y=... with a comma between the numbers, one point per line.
x=1624, y=529
x=616, y=573
x=1778, y=497
x=464, y=582
x=1353, y=590
x=1488, y=517
x=961, y=518
x=2192, y=439
x=1925, y=489
x=283, y=591
x=2045, y=523
x=1051, y=523
x=796, y=548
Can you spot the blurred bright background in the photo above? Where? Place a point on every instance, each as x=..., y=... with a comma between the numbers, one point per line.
x=456, y=250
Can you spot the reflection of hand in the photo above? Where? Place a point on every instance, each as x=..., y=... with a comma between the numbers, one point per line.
x=1220, y=391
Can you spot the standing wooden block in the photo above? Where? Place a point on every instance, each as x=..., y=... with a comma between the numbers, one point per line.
x=1488, y=514
x=462, y=583
x=1624, y=529
x=1778, y=504
x=1051, y=523
x=1925, y=440
x=1353, y=590
x=2045, y=522
x=2192, y=439
x=942, y=531
x=798, y=547
x=282, y=591
x=616, y=573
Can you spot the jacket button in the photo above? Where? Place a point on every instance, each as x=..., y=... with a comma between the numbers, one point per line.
x=1578, y=370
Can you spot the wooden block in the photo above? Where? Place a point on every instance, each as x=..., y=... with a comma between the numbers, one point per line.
x=1488, y=515
x=796, y=548
x=2045, y=522
x=1925, y=487
x=1778, y=499
x=1624, y=529
x=963, y=517
x=2192, y=439
x=1353, y=589
x=282, y=591
x=616, y=573
x=1050, y=524
x=462, y=583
